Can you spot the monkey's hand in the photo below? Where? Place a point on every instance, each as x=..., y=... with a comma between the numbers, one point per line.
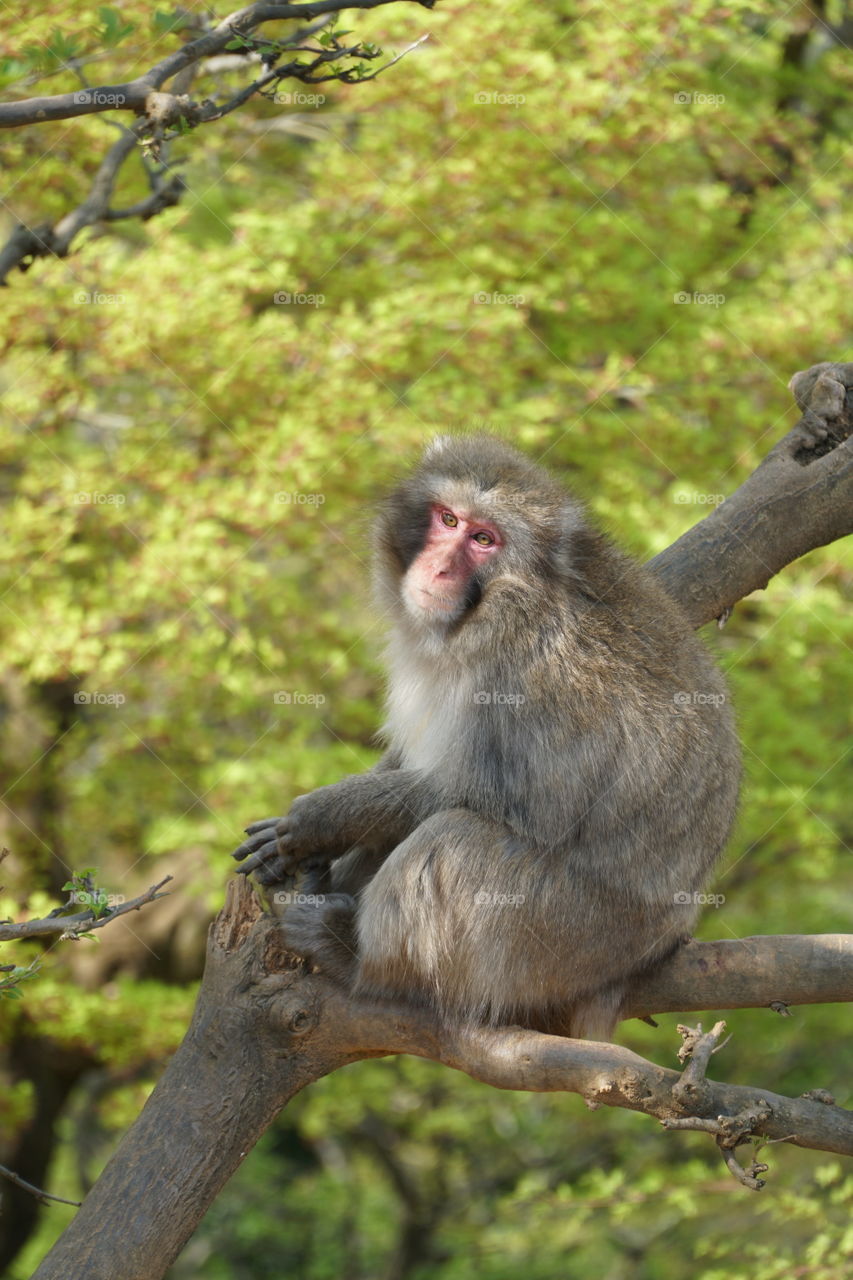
x=376, y=809
x=305, y=839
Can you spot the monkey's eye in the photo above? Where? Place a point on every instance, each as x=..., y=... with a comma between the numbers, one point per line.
x=484, y=539
x=448, y=518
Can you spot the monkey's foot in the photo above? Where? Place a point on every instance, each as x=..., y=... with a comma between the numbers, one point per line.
x=321, y=928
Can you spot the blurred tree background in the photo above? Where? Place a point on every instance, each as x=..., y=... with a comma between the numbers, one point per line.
x=610, y=236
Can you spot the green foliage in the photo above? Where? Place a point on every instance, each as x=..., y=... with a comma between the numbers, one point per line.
x=197, y=416
x=86, y=894
x=114, y=1023
x=13, y=976
x=530, y=1185
x=113, y=28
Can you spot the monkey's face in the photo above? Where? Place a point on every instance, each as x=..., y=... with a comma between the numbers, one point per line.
x=443, y=580
x=473, y=515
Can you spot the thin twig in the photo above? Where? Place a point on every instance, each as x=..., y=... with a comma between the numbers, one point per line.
x=44, y=1197
x=83, y=922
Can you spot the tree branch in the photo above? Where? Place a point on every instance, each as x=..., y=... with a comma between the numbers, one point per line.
x=746, y=973
x=264, y=1028
x=25, y=244
x=799, y=498
x=43, y=1197
x=159, y=111
x=82, y=921
x=131, y=95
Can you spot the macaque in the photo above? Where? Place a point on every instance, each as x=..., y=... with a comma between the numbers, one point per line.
x=561, y=774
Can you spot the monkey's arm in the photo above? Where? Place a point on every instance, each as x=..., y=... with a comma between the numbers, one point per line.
x=374, y=810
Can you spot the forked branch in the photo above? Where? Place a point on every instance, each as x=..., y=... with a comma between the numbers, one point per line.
x=160, y=115
x=264, y=1028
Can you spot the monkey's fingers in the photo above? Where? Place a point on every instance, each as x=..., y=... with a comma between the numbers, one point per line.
x=289, y=861
x=266, y=837
x=253, y=827
x=267, y=855
x=262, y=857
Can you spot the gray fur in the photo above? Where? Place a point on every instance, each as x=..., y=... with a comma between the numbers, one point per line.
x=562, y=772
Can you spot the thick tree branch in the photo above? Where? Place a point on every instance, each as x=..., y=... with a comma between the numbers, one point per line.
x=799, y=498
x=264, y=1028
x=747, y=973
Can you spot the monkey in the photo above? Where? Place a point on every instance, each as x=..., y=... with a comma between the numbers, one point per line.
x=561, y=773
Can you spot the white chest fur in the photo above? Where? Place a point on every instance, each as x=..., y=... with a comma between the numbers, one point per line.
x=427, y=704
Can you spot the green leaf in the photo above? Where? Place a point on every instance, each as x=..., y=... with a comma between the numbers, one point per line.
x=113, y=28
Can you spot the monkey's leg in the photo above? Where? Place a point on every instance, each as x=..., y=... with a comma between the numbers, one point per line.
x=351, y=873
x=346, y=875
x=418, y=898
x=321, y=929
x=465, y=917
x=447, y=920
x=591, y=1017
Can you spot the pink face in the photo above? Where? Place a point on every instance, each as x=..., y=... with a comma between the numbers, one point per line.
x=436, y=587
